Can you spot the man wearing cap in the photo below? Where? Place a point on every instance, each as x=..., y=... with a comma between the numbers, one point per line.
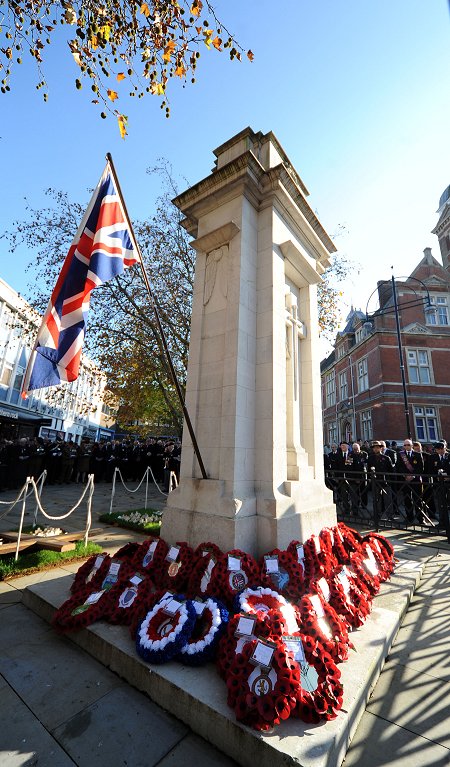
x=410, y=467
x=439, y=468
x=380, y=465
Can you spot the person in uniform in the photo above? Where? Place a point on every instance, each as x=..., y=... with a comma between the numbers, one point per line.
x=409, y=469
x=439, y=466
x=380, y=466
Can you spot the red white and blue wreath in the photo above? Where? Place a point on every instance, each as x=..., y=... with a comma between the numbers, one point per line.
x=166, y=629
x=210, y=624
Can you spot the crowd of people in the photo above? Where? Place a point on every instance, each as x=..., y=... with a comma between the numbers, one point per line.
x=67, y=461
x=405, y=478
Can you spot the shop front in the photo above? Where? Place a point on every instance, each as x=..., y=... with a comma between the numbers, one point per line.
x=16, y=423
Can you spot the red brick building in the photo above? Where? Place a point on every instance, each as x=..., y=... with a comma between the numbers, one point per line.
x=362, y=390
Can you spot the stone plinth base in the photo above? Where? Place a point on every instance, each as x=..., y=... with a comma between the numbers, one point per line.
x=199, y=510
x=198, y=696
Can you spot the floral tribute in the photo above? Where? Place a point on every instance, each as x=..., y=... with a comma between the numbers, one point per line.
x=206, y=556
x=232, y=573
x=174, y=571
x=166, y=629
x=282, y=571
x=276, y=630
x=91, y=573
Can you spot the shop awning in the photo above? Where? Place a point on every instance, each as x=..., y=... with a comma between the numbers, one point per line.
x=16, y=415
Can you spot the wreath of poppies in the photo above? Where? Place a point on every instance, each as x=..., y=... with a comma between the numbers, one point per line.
x=349, y=602
x=322, y=622
x=225, y=582
x=341, y=552
x=320, y=698
x=162, y=635
x=210, y=624
x=150, y=555
x=351, y=539
x=282, y=571
x=176, y=568
x=82, y=609
x=261, y=697
x=128, y=597
x=366, y=571
x=326, y=556
x=306, y=556
x=383, y=552
x=91, y=573
x=150, y=597
x=205, y=558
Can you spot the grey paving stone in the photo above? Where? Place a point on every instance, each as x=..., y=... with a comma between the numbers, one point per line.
x=17, y=625
x=24, y=742
x=413, y=700
x=123, y=728
x=54, y=677
x=193, y=751
x=378, y=743
x=426, y=652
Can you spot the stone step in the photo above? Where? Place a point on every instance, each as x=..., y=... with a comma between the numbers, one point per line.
x=197, y=696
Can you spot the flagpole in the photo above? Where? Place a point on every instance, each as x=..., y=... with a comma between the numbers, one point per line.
x=158, y=322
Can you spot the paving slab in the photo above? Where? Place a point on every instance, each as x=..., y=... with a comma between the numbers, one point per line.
x=24, y=741
x=424, y=652
x=9, y=595
x=379, y=743
x=192, y=751
x=122, y=728
x=35, y=672
x=414, y=700
x=198, y=696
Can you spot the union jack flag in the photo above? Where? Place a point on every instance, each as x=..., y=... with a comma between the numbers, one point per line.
x=103, y=248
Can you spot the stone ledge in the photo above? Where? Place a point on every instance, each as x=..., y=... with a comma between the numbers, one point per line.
x=197, y=696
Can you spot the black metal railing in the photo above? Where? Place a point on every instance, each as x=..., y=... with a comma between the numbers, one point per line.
x=392, y=500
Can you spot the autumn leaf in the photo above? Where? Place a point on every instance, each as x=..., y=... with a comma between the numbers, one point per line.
x=105, y=32
x=157, y=89
x=168, y=50
x=250, y=55
x=70, y=16
x=208, y=36
x=76, y=57
x=120, y=77
x=112, y=95
x=180, y=71
x=145, y=9
x=199, y=30
x=122, y=120
x=217, y=42
x=196, y=8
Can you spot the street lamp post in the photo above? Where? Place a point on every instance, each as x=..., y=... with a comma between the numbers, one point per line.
x=429, y=309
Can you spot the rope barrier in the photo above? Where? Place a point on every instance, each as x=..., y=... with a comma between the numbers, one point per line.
x=128, y=490
x=34, y=490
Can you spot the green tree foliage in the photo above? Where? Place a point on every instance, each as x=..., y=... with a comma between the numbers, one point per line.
x=122, y=47
x=122, y=335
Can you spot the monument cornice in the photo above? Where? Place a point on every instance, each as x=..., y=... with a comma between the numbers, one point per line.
x=246, y=176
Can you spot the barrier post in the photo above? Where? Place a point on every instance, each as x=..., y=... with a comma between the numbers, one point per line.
x=146, y=488
x=89, y=508
x=41, y=484
x=19, y=535
x=113, y=490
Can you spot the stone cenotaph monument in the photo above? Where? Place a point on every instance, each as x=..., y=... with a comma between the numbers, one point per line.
x=253, y=387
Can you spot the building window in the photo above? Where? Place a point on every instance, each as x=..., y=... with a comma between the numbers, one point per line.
x=332, y=432
x=363, y=376
x=419, y=366
x=426, y=423
x=440, y=316
x=5, y=377
x=330, y=389
x=20, y=372
x=366, y=424
x=343, y=387
x=340, y=351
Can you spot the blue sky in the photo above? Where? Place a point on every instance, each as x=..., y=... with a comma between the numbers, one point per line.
x=356, y=92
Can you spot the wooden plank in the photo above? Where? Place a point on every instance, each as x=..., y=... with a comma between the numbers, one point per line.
x=50, y=545
x=10, y=548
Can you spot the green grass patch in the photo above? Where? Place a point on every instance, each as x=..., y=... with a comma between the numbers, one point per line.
x=146, y=521
x=43, y=560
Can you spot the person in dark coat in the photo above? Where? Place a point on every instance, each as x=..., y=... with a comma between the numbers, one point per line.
x=380, y=465
x=409, y=469
x=439, y=468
